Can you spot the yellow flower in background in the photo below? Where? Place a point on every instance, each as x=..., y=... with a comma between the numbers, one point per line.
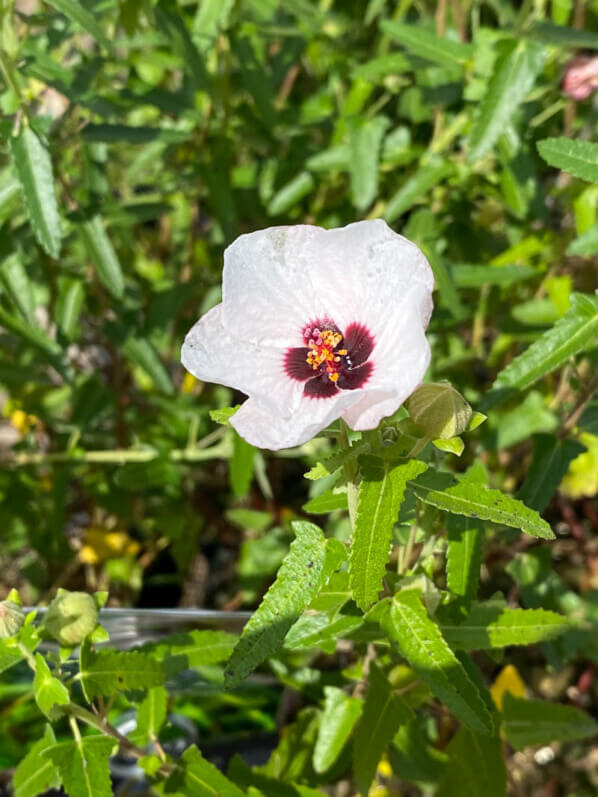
x=101, y=544
x=581, y=480
x=189, y=383
x=508, y=680
x=22, y=421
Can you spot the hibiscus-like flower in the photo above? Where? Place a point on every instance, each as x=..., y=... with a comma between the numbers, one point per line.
x=315, y=325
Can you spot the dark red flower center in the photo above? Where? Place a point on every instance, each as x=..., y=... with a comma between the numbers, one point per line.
x=330, y=360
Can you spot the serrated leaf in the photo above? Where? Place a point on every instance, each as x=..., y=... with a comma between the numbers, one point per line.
x=579, y=158
x=530, y=722
x=464, y=555
x=18, y=286
x=36, y=774
x=328, y=501
x=49, y=691
x=517, y=65
x=297, y=581
x=365, y=141
x=193, y=649
x=476, y=501
x=383, y=713
x=380, y=498
x=490, y=626
x=320, y=630
x=151, y=713
x=196, y=777
x=475, y=766
x=427, y=45
x=109, y=672
x=102, y=254
x=340, y=714
x=331, y=464
x=417, y=639
x=77, y=12
x=567, y=337
x=33, y=167
x=83, y=765
x=551, y=460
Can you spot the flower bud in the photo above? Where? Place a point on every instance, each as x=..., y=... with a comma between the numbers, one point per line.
x=11, y=618
x=439, y=410
x=71, y=617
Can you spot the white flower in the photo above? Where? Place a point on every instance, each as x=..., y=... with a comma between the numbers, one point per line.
x=315, y=325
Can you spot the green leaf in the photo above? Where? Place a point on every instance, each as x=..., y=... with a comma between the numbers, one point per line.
x=490, y=625
x=471, y=276
x=320, y=630
x=77, y=13
x=454, y=445
x=297, y=581
x=291, y=193
x=326, y=502
x=586, y=244
x=11, y=654
x=383, y=713
x=212, y=17
x=151, y=713
x=83, y=765
x=551, y=460
x=142, y=353
x=35, y=773
x=475, y=766
x=464, y=555
x=567, y=337
x=18, y=286
x=328, y=466
x=427, y=45
x=241, y=466
x=103, y=256
x=109, y=672
x=530, y=722
x=196, y=777
x=340, y=714
x=193, y=649
x=475, y=501
x=32, y=334
x=69, y=305
x=380, y=498
x=49, y=691
x=517, y=66
x=562, y=35
x=33, y=167
x=418, y=640
x=579, y=158
x=110, y=134
x=365, y=141
x=223, y=415
x=172, y=23
x=415, y=188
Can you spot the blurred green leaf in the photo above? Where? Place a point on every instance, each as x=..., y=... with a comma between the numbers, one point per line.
x=241, y=466
x=33, y=167
x=71, y=297
x=475, y=763
x=102, y=254
x=77, y=12
x=516, y=69
x=424, y=44
x=18, y=286
x=532, y=722
x=551, y=460
x=291, y=193
x=340, y=714
x=415, y=188
x=365, y=141
x=579, y=158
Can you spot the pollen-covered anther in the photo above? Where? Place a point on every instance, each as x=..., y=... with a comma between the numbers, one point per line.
x=323, y=351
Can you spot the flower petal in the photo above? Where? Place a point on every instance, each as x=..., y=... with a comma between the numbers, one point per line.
x=211, y=354
x=265, y=430
x=296, y=365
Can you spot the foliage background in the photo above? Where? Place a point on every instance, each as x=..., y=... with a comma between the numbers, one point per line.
x=172, y=128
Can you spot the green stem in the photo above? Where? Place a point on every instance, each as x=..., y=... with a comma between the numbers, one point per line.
x=9, y=74
x=27, y=655
x=406, y=552
x=351, y=475
x=419, y=446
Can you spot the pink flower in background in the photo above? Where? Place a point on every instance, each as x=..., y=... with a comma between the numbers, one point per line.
x=315, y=325
x=581, y=77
